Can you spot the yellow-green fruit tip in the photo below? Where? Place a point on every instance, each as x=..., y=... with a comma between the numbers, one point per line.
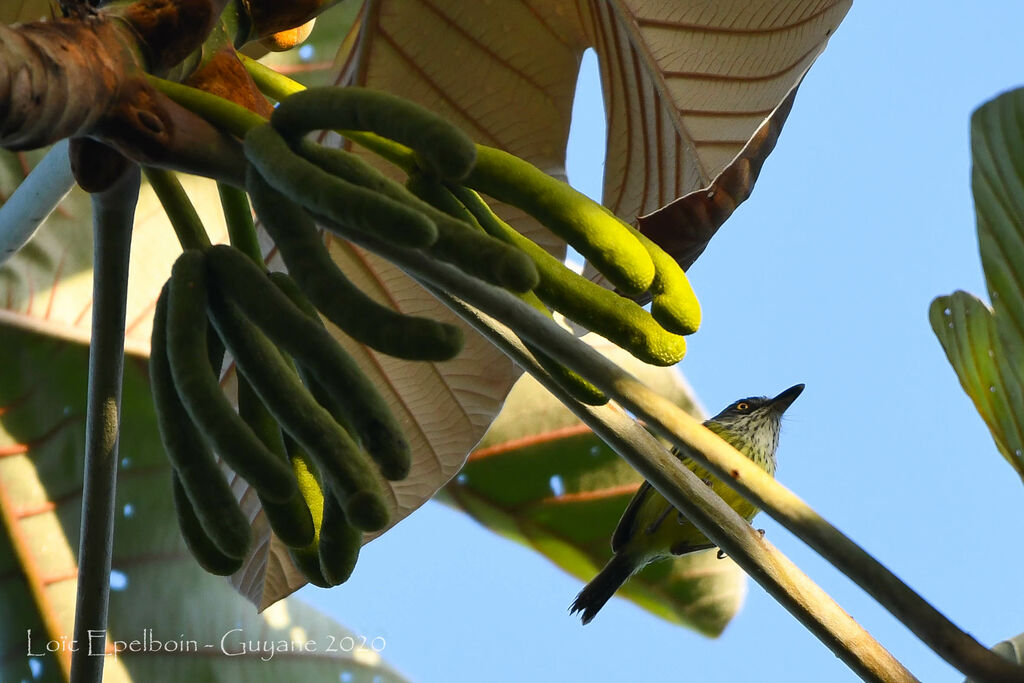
x=675, y=316
x=667, y=353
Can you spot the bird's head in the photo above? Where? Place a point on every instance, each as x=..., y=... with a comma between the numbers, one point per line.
x=752, y=424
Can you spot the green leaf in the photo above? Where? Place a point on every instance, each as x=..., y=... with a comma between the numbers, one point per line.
x=986, y=346
x=968, y=332
x=542, y=478
x=158, y=591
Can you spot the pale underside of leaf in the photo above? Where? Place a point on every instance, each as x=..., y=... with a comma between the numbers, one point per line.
x=685, y=227
x=687, y=85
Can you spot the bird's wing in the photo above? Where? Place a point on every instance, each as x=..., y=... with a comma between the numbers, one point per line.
x=625, y=529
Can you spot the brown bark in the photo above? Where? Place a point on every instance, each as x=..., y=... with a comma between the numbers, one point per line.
x=84, y=77
x=58, y=78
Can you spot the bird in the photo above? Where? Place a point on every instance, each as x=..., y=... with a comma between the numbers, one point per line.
x=649, y=532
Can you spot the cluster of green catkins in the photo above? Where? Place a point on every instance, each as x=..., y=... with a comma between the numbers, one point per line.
x=311, y=435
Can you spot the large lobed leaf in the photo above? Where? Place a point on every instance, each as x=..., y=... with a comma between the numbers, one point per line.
x=686, y=84
x=541, y=478
x=158, y=591
x=986, y=346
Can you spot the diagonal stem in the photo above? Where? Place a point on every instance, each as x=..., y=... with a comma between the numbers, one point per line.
x=931, y=626
x=113, y=214
x=34, y=199
x=793, y=589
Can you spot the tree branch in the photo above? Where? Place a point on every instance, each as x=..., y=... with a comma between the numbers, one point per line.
x=932, y=627
x=84, y=77
x=58, y=78
x=113, y=214
x=793, y=589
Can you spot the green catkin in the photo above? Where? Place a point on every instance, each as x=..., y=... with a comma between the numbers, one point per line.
x=287, y=285
x=440, y=146
x=360, y=405
x=458, y=243
x=207, y=553
x=590, y=228
x=327, y=195
x=338, y=548
x=200, y=390
x=674, y=304
x=212, y=503
x=344, y=304
x=441, y=198
x=291, y=521
x=347, y=470
x=619, y=320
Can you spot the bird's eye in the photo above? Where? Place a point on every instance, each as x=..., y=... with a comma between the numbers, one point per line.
x=742, y=405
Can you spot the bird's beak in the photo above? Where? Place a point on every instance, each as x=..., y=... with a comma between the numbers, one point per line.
x=781, y=402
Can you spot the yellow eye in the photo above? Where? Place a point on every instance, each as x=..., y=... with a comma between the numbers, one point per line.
x=742, y=405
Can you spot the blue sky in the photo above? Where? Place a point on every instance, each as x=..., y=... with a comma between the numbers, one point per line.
x=861, y=216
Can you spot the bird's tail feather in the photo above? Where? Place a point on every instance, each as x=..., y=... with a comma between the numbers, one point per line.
x=603, y=586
